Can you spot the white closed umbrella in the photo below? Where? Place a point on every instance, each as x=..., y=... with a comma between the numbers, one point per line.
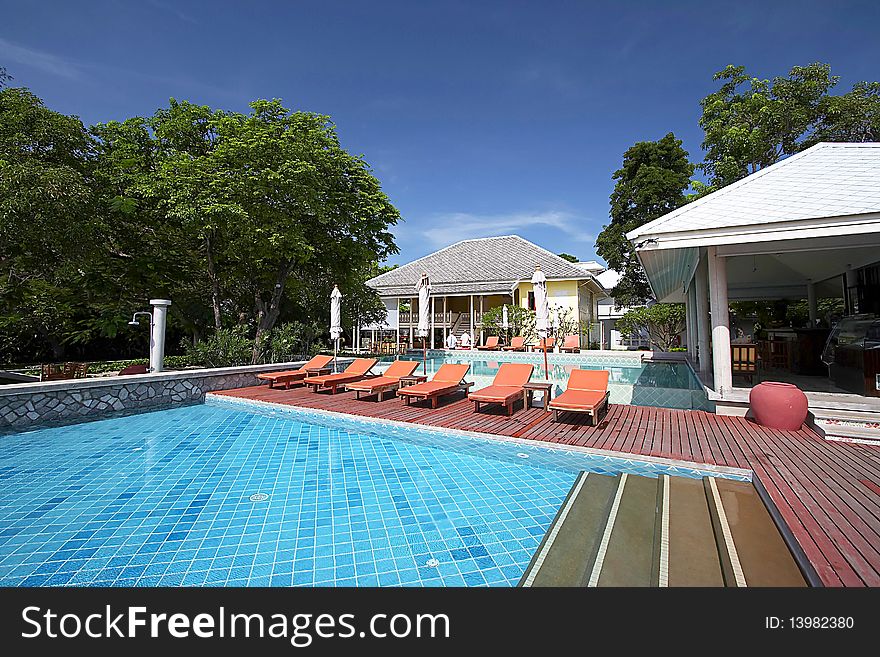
x=542, y=311
x=335, y=321
x=424, y=290
x=505, y=323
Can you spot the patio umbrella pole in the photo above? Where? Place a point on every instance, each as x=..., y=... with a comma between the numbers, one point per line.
x=424, y=290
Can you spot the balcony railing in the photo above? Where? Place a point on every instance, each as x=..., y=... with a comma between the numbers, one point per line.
x=440, y=319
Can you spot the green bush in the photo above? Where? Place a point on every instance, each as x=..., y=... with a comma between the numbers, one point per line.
x=224, y=348
x=521, y=321
x=292, y=341
x=662, y=321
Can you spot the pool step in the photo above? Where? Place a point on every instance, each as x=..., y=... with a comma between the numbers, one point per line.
x=631, y=530
x=566, y=555
x=750, y=538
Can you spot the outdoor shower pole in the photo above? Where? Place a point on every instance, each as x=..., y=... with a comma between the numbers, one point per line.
x=157, y=334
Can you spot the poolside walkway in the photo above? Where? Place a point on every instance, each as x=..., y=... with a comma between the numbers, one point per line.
x=827, y=492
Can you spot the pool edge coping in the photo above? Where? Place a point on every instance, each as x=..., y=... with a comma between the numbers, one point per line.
x=709, y=468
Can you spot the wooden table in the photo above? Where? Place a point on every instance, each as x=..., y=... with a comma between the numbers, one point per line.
x=318, y=371
x=529, y=392
x=412, y=379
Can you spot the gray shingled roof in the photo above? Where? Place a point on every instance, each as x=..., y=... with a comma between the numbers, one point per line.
x=488, y=265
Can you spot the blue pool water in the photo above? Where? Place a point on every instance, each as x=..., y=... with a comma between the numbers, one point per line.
x=666, y=384
x=164, y=498
x=648, y=374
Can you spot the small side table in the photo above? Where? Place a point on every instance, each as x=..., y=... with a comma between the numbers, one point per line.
x=529, y=392
x=318, y=371
x=412, y=379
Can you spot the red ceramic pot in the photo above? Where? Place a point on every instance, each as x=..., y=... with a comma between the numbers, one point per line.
x=778, y=405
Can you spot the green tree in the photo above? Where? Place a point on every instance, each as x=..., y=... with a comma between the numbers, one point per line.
x=569, y=257
x=274, y=210
x=662, y=321
x=851, y=117
x=751, y=123
x=520, y=321
x=48, y=234
x=4, y=77
x=652, y=181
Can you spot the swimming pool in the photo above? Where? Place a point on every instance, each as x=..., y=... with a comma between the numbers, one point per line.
x=667, y=384
x=223, y=494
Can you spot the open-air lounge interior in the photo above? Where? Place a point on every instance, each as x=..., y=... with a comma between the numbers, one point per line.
x=796, y=232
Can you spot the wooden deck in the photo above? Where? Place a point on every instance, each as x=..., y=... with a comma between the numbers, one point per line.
x=827, y=492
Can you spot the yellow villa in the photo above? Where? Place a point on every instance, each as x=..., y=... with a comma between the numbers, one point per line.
x=471, y=277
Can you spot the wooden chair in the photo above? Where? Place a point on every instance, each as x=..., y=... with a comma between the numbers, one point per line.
x=744, y=360
x=63, y=371
x=780, y=354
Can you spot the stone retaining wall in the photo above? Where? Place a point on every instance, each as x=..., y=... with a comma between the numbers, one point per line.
x=28, y=404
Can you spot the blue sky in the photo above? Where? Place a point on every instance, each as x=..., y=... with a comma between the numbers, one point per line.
x=480, y=118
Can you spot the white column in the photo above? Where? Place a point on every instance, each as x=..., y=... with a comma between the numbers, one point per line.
x=472, y=319
x=812, y=306
x=722, y=369
x=432, y=321
x=482, y=339
x=398, y=328
x=157, y=334
x=701, y=307
x=411, y=308
x=445, y=323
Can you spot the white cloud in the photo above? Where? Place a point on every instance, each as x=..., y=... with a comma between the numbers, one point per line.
x=450, y=227
x=39, y=59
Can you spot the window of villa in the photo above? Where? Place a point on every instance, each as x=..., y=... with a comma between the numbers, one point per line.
x=531, y=300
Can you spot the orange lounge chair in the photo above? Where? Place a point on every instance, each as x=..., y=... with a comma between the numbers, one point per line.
x=354, y=372
x=587, y=392
x=516, y=344
x=571, y=344
x=388, y=381
x=550, y=342
x=491, y=344
x=448, y=379
x=295, y=376
x=506, y=388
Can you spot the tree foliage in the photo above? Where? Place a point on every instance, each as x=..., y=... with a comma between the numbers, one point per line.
x=569, y=257
x=241, y=219
x=751, y=123
x=663, y=322
x=653, y=180
x=520, y=321
x=48, y=233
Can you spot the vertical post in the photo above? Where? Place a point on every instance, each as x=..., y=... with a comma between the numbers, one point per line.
x=851, y=297
x=445, y=323
x=701, y=307
x=157, y=334
x=397, y=346
x=482, y=338
x=411, y=309
x=433, y=315
x=472, y=320
x=722, y=369
x=812, y=305
x=691, y=309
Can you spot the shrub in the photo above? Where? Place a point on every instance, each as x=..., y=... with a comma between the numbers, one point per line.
x=225, y=348
x=662, y=321
x=521, y=321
